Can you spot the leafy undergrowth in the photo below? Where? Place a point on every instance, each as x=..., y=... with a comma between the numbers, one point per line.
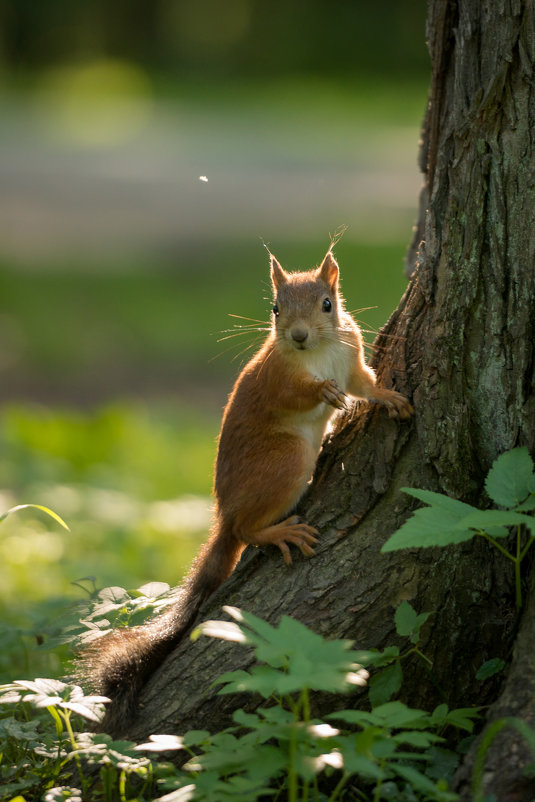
x=384, y=751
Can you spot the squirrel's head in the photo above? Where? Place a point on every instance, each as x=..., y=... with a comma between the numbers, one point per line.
x=307, y=305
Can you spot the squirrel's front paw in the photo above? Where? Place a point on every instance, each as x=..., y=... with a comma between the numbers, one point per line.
x=396, y=404
x=331, y=394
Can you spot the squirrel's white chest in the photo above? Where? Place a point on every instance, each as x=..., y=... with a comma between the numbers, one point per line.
x=332, y=362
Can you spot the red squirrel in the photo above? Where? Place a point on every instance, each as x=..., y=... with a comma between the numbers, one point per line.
x=272, y=429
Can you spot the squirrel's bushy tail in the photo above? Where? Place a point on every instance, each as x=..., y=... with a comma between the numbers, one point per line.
x=118, y=664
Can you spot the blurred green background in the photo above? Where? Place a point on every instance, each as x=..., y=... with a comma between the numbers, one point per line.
x=147, y=150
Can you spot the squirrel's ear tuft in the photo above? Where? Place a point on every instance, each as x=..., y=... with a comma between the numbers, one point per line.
x=278, y=275
x=329, y=271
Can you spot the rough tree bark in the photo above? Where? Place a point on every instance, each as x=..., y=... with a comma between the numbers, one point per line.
x=461, y=344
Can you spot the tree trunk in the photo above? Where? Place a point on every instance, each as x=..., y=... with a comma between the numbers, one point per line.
x=461, y=344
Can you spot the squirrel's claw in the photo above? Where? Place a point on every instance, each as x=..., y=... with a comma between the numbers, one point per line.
x=331, y=394
x=299, y=534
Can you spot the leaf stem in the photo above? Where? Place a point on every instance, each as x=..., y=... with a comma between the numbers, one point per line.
x=344, y=778
x=66, y=716
x=494, y=542
x=423, y=656
x=527, y=548
x=518, y=578
x=377, y=793
x=292, y=774
x=122, y=785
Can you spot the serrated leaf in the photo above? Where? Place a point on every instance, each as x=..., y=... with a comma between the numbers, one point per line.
x=417, y=738
x=153, y=590
x=438, y=716
x=511, y=478
x=422, y=783
x=443, y=764
x=405, y=618
x=429, y=526
x=462, y=718
x=235, y=681
x=113, y=595
x=397, y=714
x=261, y=679
x=408, y=621
x=361, y=765
x=490, y=668
x=261, y=629
x=489, y=519
x=385, y=684
x=528, y=505
x=453, y=506
x=385, y=657
x=354, y=716
x=195, y=737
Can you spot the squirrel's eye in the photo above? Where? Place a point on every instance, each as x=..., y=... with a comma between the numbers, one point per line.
x=276, y=310
x=327, y=306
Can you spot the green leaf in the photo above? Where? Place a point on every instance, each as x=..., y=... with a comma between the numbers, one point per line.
x=195, y=737
x=385, y=684
x=421, y=783
x=46, y=510
x=362, y=717
x=296, y=657
x=396, y=714
x=361, y=765
x=528, y=505
x=417, y=738
x=462, y=718
x=443, y=765
x=439, y=714
x=490, y=668
x=385, y=657
x=408, y=622
x=456, y=509
x=152, y=590
x=261, y=629
x=511, y=478
x=489, y=519
x=405, y=618
x=430, y=526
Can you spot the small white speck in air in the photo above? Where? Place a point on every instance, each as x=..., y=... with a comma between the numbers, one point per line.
x=203, y=178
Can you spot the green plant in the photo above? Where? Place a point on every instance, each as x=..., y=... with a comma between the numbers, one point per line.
x=387, y=682
x=39, y=753
x=510, y=483
x=284, y=750
x=280, y=750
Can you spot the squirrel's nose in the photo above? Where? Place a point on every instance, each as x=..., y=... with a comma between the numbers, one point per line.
x=299, y=334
